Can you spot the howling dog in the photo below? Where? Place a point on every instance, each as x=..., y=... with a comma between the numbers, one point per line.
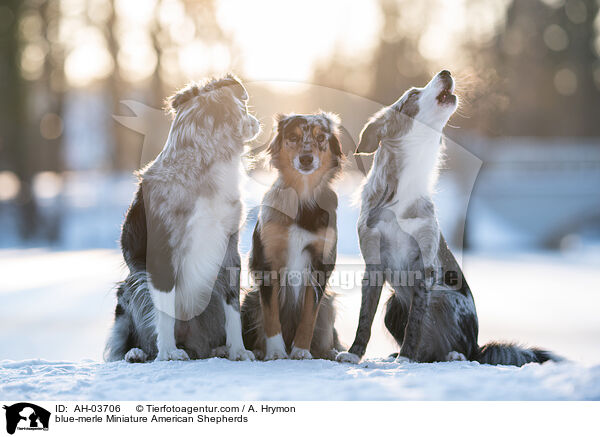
x=180, y=236
x=290, y=312
x=431, y=313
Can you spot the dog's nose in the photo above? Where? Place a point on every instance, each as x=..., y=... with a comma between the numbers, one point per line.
x=306, y=160
x=444, y=73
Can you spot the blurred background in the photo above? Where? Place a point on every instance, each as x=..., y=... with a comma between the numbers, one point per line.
x=82, y=83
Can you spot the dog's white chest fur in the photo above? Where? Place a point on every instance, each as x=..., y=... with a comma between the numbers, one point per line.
x=419, y=155
x=213, y=220
x=420, y=151
x=298, y=259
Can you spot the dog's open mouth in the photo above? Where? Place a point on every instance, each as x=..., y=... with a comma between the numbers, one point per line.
x=446, y=97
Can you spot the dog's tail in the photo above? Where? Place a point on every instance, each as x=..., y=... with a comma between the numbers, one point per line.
x=122, y=331
x=134, y=319
x=513, y=355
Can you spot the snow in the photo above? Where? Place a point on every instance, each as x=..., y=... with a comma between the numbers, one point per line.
x=220, y=379
x=57, y=308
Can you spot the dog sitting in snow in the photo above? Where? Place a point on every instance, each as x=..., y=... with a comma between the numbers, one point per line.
x=180, y=236
x=431, y=313
x=290, y=312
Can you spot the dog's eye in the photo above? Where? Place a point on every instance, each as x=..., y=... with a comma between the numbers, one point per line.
x=293, y=138
x=320, y=138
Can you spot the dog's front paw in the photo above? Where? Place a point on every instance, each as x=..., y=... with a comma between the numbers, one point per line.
x=220, y=352
x=172, y=355
x=330, y=355
x=240, y=354
x=136, y=355
x=300, y=354
x=275, y=348
x=276, y=354
x=347, y=357
x=455, y=356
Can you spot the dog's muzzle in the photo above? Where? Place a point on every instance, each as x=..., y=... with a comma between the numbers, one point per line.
x=306, y=163
x=446, y=97
x=306, y=160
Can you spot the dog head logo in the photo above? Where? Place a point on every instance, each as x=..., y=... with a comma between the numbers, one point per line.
x=26, y=416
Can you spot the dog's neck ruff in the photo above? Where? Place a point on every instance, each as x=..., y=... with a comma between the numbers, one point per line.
x=304, y=193
x=404, y=168
x=417, y=155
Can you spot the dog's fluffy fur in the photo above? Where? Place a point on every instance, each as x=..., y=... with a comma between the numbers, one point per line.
x=431, y=313
x=290, y=312
x=180, y=235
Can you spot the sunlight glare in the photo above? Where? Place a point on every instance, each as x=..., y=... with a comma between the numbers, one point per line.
x=89, y=60
x=137, y=58
x=198, y=59
x=276, y=42
x=135, y=12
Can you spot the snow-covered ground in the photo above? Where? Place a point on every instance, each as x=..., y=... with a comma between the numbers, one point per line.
x=219, y=379
x=56, y=309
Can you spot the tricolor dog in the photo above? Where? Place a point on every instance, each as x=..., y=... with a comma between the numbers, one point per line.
x=290, y=312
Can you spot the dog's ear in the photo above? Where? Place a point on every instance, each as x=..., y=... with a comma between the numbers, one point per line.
x=237, y=87
x=370, y=137
x=334, y=144
x=174, y=102
x=281, y=121
x=333, y=121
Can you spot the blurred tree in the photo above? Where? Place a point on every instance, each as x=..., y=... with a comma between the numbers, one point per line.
x=395, y=64
x=50, y=131
x=15, y=148
x=114, y=84
x=398, y=64
x=52, y=88
x=541, y=66
x=159, y=41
